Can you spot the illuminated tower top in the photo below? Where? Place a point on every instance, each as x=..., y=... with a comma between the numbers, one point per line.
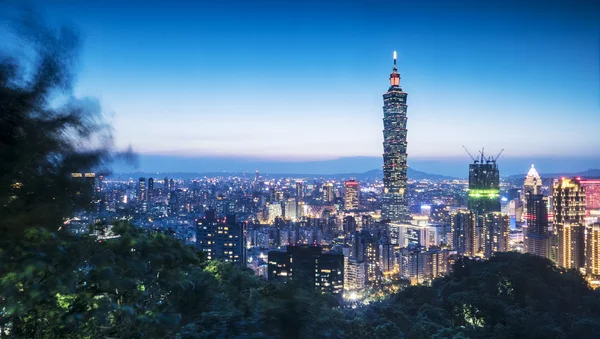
x=395, y=76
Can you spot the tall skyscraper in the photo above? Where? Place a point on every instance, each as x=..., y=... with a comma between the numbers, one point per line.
x=394, y=207
x=300, y=189
x=351, y=195
x=166, y=185
x=533, y=186
x=569, y=213
x=150, y=194
x=536, y=234
x=141, y=189
x=484, y=186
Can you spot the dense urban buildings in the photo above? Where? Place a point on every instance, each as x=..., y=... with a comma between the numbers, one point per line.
x=395, y=206
x=336, y=235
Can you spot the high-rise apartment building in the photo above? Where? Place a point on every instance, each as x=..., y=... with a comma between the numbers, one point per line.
x=394, y=207
x=299, y=189
x=536, y=233
x=593, y=250
x=354, y=274
x=365, y=247
x=496, y=233
x=464, y=236
x=351, y=195
x=569, y=213
x=221, y=239
x=328, y=192
x=308, y=266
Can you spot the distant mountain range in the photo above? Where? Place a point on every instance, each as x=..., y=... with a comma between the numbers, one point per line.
x=449, y=166
x=369, y=175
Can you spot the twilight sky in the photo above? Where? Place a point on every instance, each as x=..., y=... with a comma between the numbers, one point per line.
x=302, y=80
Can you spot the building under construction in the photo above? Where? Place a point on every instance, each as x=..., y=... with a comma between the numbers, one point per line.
x=484, y=184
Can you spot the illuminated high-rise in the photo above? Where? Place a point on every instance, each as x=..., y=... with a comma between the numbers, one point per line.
x=536, y=234
x=141, y=189
x=484, y=186
x=592, y=195
x=569, y=213
x=351, y=191
x=496, y=233
x=593, y=250
x=328, y=192
x=531, y=186
x=464, y=237
x=394, y=207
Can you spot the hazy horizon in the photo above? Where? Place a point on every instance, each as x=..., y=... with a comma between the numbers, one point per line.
x=450, y=166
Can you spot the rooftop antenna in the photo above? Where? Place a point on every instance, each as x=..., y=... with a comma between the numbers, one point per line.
x=469, y=153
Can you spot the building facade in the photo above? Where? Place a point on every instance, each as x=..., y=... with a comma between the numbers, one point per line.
x=569, y=213
x=308, y=266
x=351, y=195
x=221, y=239
x=394, y=207
x=536, y=233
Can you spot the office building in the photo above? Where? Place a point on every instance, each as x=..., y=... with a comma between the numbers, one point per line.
x=141, y=189
x=536, y=232
x=394, y=205
x=351, y=195
x=569, y=213
x=531, y=186
x=328, y=192
x=308, y=266
x=150, y=193
x=221, y=239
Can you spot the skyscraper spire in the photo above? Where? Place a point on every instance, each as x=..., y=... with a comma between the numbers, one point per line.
x=395, y=77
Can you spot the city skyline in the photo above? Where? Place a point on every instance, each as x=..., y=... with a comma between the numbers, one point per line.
x=314, y=95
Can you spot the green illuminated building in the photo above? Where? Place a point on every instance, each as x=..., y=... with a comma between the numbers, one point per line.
x=484, y=186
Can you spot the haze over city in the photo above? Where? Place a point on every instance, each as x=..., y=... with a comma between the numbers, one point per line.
x=238, y=85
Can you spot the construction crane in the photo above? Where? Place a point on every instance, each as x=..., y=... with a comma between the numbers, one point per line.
x=498, y=156
x=469, y=153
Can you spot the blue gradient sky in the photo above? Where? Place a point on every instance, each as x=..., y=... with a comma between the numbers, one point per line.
x=303, y=80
